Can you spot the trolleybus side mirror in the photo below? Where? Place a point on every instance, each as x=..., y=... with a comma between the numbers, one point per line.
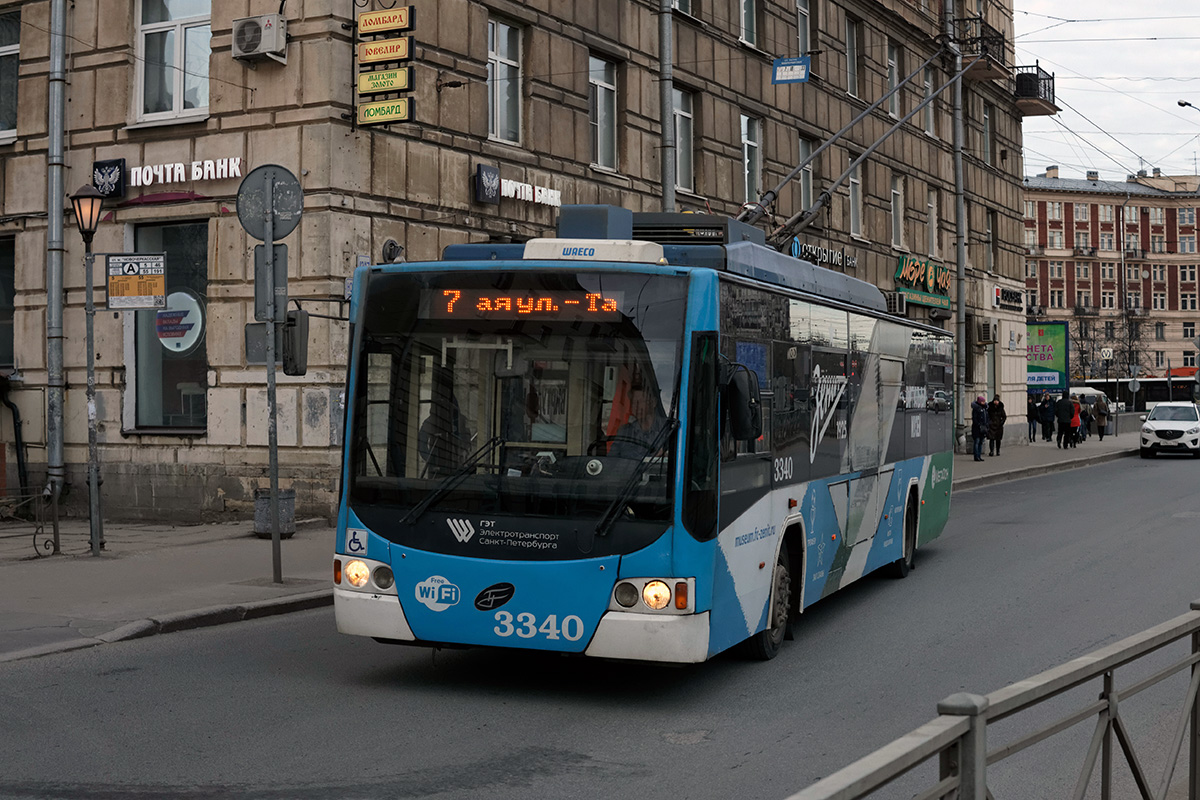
x=744, y=403
x=295, y=343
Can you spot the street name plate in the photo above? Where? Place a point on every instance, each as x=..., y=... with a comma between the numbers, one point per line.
x=136, y=280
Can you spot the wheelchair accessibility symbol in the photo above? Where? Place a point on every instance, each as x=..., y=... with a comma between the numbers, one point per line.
x=354, y=544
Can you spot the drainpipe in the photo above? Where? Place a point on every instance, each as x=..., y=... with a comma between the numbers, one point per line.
x=666, y=104
x=960, y=325
x=54, y=252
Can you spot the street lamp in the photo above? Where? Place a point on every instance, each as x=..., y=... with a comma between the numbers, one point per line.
x=87, y=202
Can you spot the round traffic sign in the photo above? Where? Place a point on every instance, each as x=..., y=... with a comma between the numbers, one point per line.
x=285, y=202
x=1134, y=385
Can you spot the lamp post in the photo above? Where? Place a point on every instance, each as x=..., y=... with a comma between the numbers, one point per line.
x=87, y=202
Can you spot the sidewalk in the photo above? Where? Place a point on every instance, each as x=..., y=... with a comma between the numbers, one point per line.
x=1020, y=460
x=157, y=578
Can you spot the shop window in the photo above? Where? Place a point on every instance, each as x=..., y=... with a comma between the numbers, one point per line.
x=8, y=272
x=173, y=45
x=170, y=374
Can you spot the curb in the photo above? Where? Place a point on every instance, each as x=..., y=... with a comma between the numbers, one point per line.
x=182, y=621
x=975, y=482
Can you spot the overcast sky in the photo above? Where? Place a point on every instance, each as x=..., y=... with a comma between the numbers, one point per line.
x=1118, y=80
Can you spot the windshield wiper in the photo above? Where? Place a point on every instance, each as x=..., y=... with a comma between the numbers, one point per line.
x=447, y=484
x=618, y=504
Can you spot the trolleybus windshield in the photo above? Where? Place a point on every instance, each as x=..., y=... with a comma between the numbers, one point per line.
x=555, y=385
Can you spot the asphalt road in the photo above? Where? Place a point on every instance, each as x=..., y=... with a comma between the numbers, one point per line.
x=1027, y=575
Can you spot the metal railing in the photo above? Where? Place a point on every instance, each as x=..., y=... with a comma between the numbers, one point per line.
x=958, y=736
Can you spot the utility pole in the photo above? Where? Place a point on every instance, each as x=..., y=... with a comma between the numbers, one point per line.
x=960, y=326
x=666, y=102
x=55, y=386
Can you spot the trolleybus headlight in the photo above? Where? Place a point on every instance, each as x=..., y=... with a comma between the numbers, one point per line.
x=656, y=594
x=356, y=573
x=626, y=594
x=384, y=578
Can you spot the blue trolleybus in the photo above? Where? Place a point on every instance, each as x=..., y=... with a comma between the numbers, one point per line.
x=651, y=437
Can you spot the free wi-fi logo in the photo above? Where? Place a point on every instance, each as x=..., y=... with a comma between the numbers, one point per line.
x=462, y=529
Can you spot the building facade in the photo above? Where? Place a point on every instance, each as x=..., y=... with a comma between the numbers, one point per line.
x=514, y=108
x=1117, y=260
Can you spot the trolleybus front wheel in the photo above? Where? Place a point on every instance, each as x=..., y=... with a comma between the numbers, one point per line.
x=765, y=644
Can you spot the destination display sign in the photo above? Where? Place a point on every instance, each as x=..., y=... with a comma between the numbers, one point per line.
x=495, y=305
x=136, y=280
x=393, y=19
x=385, y=80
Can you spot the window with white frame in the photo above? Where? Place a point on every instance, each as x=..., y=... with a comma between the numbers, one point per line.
x=1055, y=269
x=1053, y=210
x=1160, y=358
x=988, y=134
x=683, y=5
x=1187, y=243
x=504, y=81
x=1189, y=330
x=1030, y=209
x=928, y=111
x=1108, y=271
x=1083, y=271
x=1108, y=242
x=1030, y=299
x=1054, y=240
x=1056, y=298
x=750, y=22
x=602, y=111
x=1187, y=273
x=1158, y=243
x=751, y=157
x=1031, y=237
x=1081, y=240
x=893, y=77
x=1108, y=299
x=1132, y=273
x=1158, y=301
x=1131, y=214
x=1031, y=269
x=1131, y=242
x=853, y=54
x=855, y=187
x=1160, y=331
x=1083, y=298
x=10, y=56
x=1083, y=212
x=897, y=211
x=1133, y=299
x=1158, y=272
x=1187, y=215
x=803, y=27
x=170, y=375
x=1157, y=216
x=173, y=51
x=806, y=174
x=685, y=177
x=1106, y=213
x=1189, y=358
x=1187, y=301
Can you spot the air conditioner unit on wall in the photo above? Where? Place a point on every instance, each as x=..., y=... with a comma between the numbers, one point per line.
x=987, y=330
x=264, y=36
x=897, y=303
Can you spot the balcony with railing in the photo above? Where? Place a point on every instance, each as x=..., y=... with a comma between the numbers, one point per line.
x=1033, y=88
x=979, y=40
x=1088, y=252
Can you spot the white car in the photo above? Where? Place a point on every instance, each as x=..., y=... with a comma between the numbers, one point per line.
x=1171, y=428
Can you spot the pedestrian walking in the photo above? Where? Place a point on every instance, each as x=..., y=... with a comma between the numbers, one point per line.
x=996, y=419
x=1100, y=412
x=979, y=424
x=1074, y=420
x=1085, y=419
x=1031, y=416
x=1046, y=417
x=1064, y=411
